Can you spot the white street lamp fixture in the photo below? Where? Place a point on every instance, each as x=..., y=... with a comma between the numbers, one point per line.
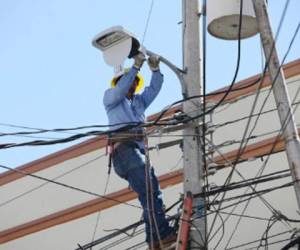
x=117, y=44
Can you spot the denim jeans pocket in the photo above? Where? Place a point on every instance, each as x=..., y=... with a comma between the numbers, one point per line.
x=127, y=156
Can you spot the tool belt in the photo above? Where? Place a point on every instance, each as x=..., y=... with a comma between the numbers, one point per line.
x=115, y=139
x=126, y=136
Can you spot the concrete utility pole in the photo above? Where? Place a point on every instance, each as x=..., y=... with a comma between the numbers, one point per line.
x=283, y=103
x=193, y=161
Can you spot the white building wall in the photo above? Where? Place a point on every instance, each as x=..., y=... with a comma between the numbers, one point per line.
x=92, y=176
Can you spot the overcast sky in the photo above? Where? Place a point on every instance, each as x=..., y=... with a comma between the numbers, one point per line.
x=52, y=77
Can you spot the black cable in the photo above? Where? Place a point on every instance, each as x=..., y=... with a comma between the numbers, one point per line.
x=271, y=243
x=251, y=242
x=121, y=231
x=32, y=136
x=271, y=222
x=256, y=193
x=291, y=244
x=41, y=130
x=252, y=195
x=135, y=124
x=287, y=117
x=246, y=117
x=229, y=177
x=245, y=216
x=199, y=96
x=260, y=79
x=130, y=125
x=277, y=74
x=72, y=138
x=235, y=203
x=124, y=239
x=269, y=154
x=99, y=213
x=238, y=63
x=242, y=184
x=250, y=182
x=46, y=183
x=268, y=205
x=249, y=197
x=68, y=186
x=133, y=226
x=222, y=226
x=226, y=92
x=286, y=54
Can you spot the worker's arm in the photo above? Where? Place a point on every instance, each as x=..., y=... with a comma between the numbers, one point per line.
x=153, y=89
x=113, y=96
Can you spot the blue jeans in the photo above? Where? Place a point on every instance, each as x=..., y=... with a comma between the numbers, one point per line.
x=129, y=163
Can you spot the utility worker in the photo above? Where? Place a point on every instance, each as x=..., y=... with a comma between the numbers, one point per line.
x=124, y=107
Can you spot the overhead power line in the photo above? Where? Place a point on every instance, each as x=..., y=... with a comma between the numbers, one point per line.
x=68, y=186
x=47, y=182
x=248, y=123
x=133, y=125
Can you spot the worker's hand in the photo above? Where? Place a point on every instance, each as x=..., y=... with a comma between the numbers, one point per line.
x=139, y=59
x=153, y=62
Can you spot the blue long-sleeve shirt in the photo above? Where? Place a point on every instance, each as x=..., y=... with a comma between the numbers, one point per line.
x=120, y=109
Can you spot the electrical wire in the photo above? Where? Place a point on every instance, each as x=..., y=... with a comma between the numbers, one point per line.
x=256, y=193
x=252, y=195
x=264, y=237
x=245, y=181
x=47, y=182
x=292, y=243
x=147, y=22
x=232, y=198
x=227, y=91
x=99, y=213
x=72, y=138
x=246, y=117
x=243, y=184
x=271, y=243
x=268, y=205
x=255, y=241
x=68, y=186
x=124, y=239
x=127, y=228
x=255, y=182
x=240, y=150
x=243, y=211
x=222, y=227
x=133, y=124
x=245, y=216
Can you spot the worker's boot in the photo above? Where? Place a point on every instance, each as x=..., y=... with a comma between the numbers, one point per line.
x=155, y=246
x=166, y=242
x=169, y=240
